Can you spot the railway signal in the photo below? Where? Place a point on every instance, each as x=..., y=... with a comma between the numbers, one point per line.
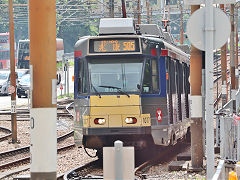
x=205, y=35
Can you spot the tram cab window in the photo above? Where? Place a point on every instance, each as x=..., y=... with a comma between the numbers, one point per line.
x=150, y=80
x=114, y=75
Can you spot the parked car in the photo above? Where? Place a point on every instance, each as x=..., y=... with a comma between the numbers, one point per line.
x=23, y=86
x=21, y=72
x=4, y=81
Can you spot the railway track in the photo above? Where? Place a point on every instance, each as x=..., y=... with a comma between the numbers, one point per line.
x=63, y=109
x=21, y=156
x=7, y=156
x=94, y=169
x=26, y=159
x=25, y=114
x=8, y=133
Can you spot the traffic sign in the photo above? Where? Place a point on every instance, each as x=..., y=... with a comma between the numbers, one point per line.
x=196, y=26
x=159, y=115
x=197, y=2
x=11, y=89
x=61, y=86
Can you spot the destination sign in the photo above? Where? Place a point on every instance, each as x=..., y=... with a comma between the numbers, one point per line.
x=114, y=45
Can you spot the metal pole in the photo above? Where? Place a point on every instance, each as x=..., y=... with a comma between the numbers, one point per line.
x=232, y=58
x=148, y=15
x=28, y=16
x=124, y=9
x=43, y=66
x=209, y=29
x=151, y=15
x=181, y=22
x=118, y=160
x=224, y=70
x=111, y=8
x=67, y=79
x=203, y=102
x=139, y=12
x=13, y=75
x=236, y=48
x=196, y=118
x=28, y=94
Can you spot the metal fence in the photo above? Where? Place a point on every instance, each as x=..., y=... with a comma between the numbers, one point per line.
x=229, y=138
x=220, y=172
x=228, y=135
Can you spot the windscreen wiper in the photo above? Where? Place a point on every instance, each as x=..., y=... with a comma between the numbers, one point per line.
x=96, y=91
x=118, y=88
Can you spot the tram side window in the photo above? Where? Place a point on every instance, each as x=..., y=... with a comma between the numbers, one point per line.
x=180, y=77
x=82, y=88
x=150, y=80
x=172, y=77
x=167, y=74
x=187, y=80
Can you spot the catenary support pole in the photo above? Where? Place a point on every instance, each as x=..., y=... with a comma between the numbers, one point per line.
x=181, y=22
x=232, y=59
x=124, y=14
x=209, y=30
x=236, y=49
x=42, y=16
x=139, y=11
x=224, y=70
x=13, y=75
x=148, y=13
x=196, y=116
x=111, y=8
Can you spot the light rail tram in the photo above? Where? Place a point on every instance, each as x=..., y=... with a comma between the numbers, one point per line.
x=131, y=84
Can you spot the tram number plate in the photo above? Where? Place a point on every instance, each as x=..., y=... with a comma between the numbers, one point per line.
x=146, y=120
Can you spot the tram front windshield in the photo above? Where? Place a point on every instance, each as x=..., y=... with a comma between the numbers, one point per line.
x=112, y=75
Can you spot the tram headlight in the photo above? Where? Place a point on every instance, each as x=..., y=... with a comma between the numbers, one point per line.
x=99, y=121
x=131, y=120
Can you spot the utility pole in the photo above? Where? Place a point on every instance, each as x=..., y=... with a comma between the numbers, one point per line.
x=43, y=113
x=148, y=16
x=224, y=70
x=181, y=22
x=232, y=58
x=111, y=8
x=13, y=75
x=139, y=12
x=196, y=97
x=124, y=9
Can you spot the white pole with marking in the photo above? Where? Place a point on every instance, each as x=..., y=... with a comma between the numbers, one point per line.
x=209, y=28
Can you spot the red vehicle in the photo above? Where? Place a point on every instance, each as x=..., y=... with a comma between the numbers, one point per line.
x=4, y=51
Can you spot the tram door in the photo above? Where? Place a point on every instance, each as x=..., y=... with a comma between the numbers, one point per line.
x=172, y=91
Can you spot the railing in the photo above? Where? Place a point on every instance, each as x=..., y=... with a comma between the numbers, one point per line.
x=227, y=136
x=220, y=172
x=229, y=139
